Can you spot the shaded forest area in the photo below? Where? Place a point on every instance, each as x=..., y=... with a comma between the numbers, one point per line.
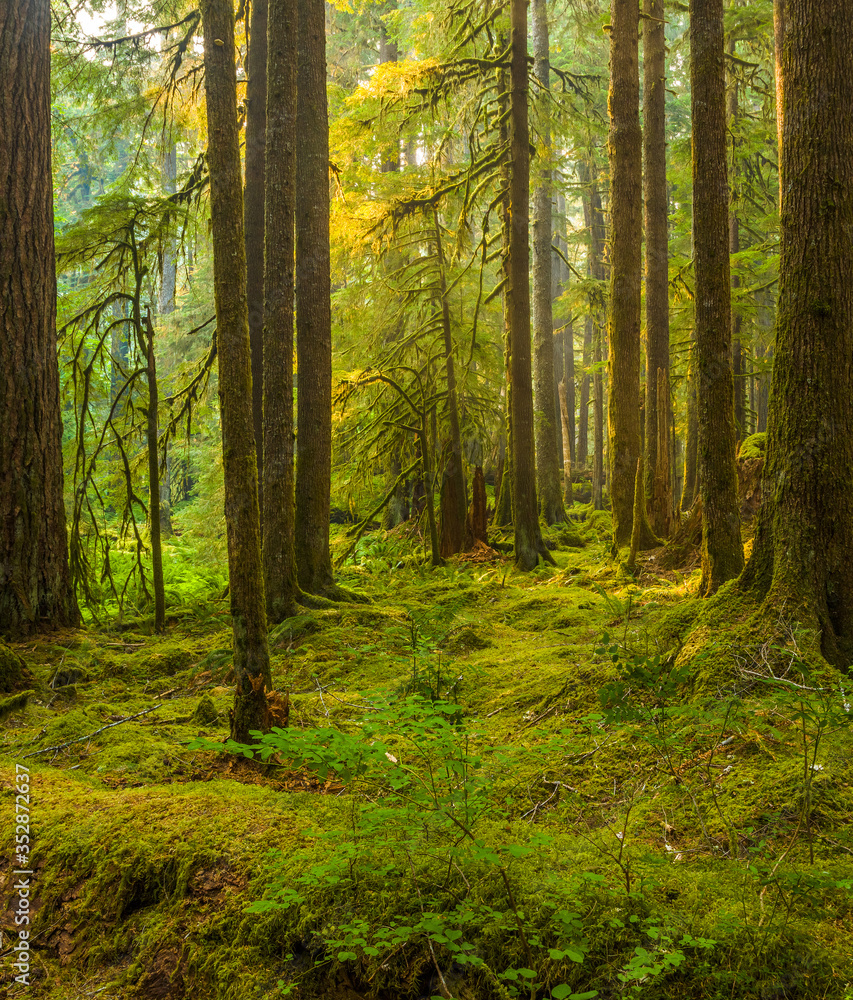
x=426, y=549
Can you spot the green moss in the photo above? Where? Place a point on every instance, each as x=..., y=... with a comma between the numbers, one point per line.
x=753, y=446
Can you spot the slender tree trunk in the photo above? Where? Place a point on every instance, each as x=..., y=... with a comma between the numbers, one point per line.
x=662, y=481
x=657, y=257
x=567, y=454
x=582, y=453
x=504, y=505
x=152, y=434
x=253, y=216
x=801, y=557
x=597, y=421
x=35, y=588
x=722, y=549
x=242, y=517
x=313, y=307
x=690, y=488
x=626, y=193
x=525, y=516
x=547, y=460
x=168, y=262
x=280, y=578
x=454, y=500
x=734, y=248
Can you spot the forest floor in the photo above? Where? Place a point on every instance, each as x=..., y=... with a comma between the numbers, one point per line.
x=491, y=785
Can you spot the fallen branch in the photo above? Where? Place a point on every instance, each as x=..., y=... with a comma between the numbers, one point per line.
x=84, y=739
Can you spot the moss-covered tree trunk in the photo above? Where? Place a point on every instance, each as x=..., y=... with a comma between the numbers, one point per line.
x=689, y=489
x=802, y=554
x=525, y=515
x=280, y=579
x=313, y=307
x=657, y=253
x=623, y=328
x=547, y=459
x=242, y=518
x=253, y=215
x=35, y=588
x=722, y=549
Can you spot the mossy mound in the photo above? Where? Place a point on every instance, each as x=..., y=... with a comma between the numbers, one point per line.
x=464, y=641
x=14, y=674
x=753, y=447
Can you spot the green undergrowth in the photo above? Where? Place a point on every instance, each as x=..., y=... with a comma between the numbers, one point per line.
x=570, y=783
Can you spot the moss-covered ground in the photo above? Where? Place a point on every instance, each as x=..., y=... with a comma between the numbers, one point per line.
x=491, y=785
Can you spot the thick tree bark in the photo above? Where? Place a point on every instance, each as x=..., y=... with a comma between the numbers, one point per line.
x=253, y=216
x=597, y=421
x=35, y=588
x=778, y=45
x=525, y=516
x=547, y=460
x=722, y=549
x=801, y=558
x=657, y=253
x=280, y=578
x=623, y=331
x=242, y=517
x=313, y=307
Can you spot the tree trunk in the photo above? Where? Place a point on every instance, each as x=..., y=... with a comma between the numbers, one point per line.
x=722, y=550
x=597, y=422
x=657, y=256
x=567, y=454
x=623, y=331
x=801, y=558
x=35, y=587
x=690, y=486
x=168, y=263
x=734, y=248
x=547, y=460
x=662, y=480
x=152, y=435
x=313, y=307
x=242, y=517
x=525, y=516
x=253, y=216
x=778, y=45
x=280, y=579
x=454, y=501
x=582, y=452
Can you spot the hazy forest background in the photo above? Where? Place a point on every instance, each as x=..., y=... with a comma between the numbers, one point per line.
x=426, y=548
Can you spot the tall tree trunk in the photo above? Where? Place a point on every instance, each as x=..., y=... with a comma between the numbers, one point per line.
x=503, y=504
x=525, y=515
x=722, y=549
x=242, y=517
x=168, y=262
x=734, y=248
x=152, y=434
x=597, y=421
x=801, y=558
x=626, y=194
x=582, y=452
x=253, y=216
x=313, y=307
x=657, y=257
x=779, y=25
x=547, y=459
x=567, y=454
x=454, y=500
x=280, y=578
x=35, y=588
x=690, y=487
